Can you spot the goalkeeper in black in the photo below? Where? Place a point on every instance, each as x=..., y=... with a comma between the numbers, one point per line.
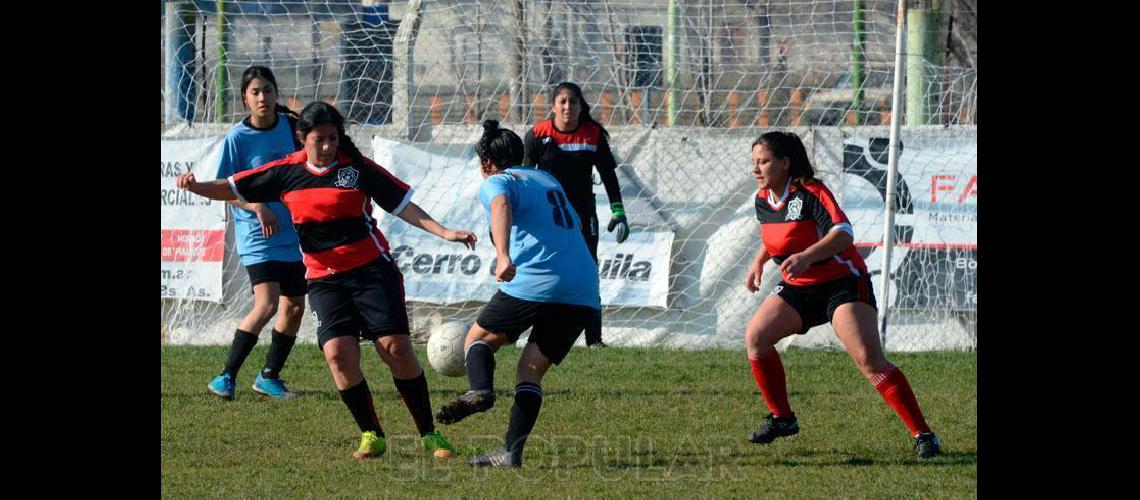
x=569, y=146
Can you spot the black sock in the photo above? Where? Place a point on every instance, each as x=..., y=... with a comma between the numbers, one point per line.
x=358, y=399
x=414, y=392
x=594, y=328
x=480, y=362
x=239, y=350
x=528, y=400
x=278, y=352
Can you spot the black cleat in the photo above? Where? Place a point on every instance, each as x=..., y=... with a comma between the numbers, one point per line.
x=597, y=345
x=926, y=445
x=497, y=458
x=470, y=403
x=773, y=427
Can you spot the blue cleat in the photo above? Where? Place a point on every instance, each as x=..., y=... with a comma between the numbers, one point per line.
x=222, y=386
x=272, y=387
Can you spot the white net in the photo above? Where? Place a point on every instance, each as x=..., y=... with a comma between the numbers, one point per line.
x=683, y=88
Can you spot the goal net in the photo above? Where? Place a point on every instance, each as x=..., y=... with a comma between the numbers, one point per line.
x=683, y=87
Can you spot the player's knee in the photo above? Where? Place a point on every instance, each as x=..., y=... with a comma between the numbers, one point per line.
x=759, y=338
x=396, y=351
x=478, y=334
x=339, y=361
x=264, y=312
x=294, y=311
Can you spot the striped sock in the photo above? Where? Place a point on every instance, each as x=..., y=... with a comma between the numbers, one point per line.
x=524, y=412
x=896, y=391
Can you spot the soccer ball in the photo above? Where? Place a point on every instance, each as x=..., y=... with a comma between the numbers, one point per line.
x=445, y=348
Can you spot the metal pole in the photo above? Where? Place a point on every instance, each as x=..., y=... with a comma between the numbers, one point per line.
x=672, y=59
x=857, y=63
x=923, y=45
x=892, y=169
x=179, y=64
x=221, y=74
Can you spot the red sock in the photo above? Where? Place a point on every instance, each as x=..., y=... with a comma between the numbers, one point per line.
x=892, y=385
x=769, y=374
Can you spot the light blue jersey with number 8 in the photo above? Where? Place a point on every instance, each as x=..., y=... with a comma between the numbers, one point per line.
x=552, y=263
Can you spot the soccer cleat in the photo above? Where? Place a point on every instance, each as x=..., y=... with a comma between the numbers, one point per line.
x=597, y=345
x=272, y=387
x=222, y=386
x=773, y=427
x=926, y=445
x=497, y=458
x=371, y=446
x=470, y=403
x=438, y=445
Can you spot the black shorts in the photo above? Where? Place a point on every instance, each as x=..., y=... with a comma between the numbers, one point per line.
x=816, y=303
x=290, y=276
x=366, y=302
x=556, y=326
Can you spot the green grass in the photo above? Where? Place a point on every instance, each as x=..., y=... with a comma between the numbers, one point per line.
x=629, y=422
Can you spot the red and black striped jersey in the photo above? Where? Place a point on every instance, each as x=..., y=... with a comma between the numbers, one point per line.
x=570, y=157
x=331, y=207
x=799, y=220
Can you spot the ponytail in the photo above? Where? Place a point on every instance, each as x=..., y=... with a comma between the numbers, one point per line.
x=500, y=147
x=292, y=117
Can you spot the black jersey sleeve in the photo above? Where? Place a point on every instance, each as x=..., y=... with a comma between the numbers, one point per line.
x=604, y=162
x=260, y=185
x=390, y=193
x=530, y=149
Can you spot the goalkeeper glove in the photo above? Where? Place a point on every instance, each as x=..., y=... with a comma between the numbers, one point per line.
x=618, y=221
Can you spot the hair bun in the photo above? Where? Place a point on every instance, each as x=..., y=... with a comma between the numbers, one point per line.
x=490, y=125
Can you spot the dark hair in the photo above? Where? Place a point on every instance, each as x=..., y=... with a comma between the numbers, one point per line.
x=499, y=145
x=322, y=113
x=584, y=116
x=266, y=74
x=788, y=145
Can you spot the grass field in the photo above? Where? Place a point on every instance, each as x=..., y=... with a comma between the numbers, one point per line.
x=617, y=421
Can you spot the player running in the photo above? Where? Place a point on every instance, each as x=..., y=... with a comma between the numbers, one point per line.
x=355, y=288
x=549, y=281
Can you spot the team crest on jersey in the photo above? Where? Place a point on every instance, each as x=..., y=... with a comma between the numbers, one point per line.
x=794, y=208
x=346, y=178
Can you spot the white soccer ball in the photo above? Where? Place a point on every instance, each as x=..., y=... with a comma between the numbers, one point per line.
x=445, y=348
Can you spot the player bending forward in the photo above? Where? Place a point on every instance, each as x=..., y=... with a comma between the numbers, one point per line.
x=549, y=281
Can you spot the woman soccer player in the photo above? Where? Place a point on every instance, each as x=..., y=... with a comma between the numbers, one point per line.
x=549, y=281
x=268, y=249
x=824, y=280
x=570, y=146
x=355, y=288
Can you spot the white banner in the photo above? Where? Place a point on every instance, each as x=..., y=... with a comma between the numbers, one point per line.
x=934, y=262
x=193, y=227
x=447, y=179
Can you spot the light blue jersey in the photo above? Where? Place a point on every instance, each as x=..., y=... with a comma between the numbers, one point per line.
x=550, y=256
x=247, y=148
